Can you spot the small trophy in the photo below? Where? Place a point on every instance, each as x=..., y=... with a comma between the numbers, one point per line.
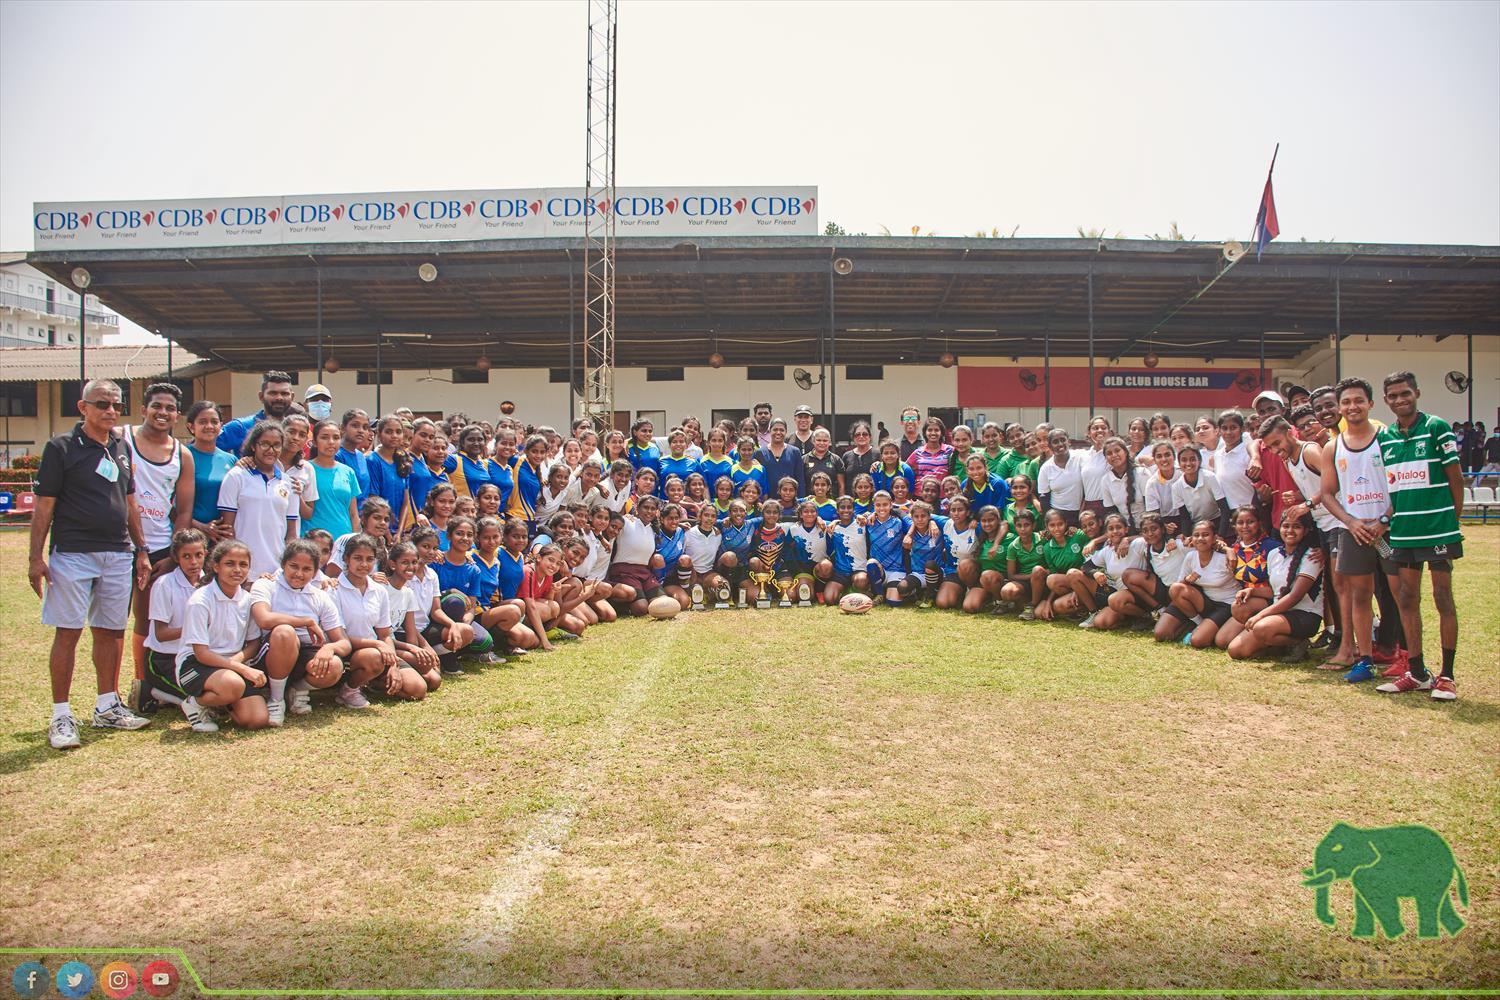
x=784, y=589
x=762, y=580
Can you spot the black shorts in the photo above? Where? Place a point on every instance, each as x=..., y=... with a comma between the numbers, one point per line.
x=1439, y=557
x=192, y=675
x=1352, y=558
x=844, y=580
x=305, y=653
x=1304, y=624
x=161, y=672
x=953, y=578
x=1025, y=586
x=1163, y=594
x=1213, y=610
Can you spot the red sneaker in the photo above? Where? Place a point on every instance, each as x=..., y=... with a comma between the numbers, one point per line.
x=1399, y=662
x=1405, y=684
x=1443, y=689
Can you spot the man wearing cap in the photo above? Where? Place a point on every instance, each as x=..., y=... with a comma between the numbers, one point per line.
x=1273, y=481
x=275, y=402
x=87, y=521
x=319, y=402
x=801, y=437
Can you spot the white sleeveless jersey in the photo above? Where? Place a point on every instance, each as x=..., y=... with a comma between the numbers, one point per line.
x=1310, y=483
x=812, y=543
x=1362, y=485
x=155, y=489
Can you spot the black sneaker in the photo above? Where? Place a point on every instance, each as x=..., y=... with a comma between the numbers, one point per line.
x=1328, y=640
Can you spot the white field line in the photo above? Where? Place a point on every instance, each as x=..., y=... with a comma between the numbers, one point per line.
x=520, y=877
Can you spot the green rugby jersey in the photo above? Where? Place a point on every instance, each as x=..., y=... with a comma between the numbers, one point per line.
x=1415, y=460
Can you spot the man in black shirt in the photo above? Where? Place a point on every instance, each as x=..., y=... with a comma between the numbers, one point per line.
x=911, y=431
x=85, y=499
x=801, y=437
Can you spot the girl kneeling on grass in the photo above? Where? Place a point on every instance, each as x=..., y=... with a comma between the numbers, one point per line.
x=546, y=608
x=1248, y=559
x=169, y=598
x=1205, y=591
x=1119, y=554
x=1062, y=552
x=442, y=633
x=630, y=570
x=1146, y=591
x=218, y=664
x=304, y=636
x=402, y=567
x=501, y=564
x=365, y=607
x=1295, y=579
x=459, y=587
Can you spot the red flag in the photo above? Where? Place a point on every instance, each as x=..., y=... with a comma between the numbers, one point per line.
x=1266, y=228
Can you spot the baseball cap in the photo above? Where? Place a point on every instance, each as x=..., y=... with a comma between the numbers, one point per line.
x=1270, y=394
x=804, y=408
x=317, y=389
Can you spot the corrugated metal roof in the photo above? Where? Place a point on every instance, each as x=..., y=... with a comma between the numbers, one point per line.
x=60, y=364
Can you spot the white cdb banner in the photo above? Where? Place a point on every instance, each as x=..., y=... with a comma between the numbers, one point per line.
x=422, y=216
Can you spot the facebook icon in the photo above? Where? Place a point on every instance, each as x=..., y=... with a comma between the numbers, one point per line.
x=29, y=979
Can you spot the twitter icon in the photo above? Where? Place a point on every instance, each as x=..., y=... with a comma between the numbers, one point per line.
x=74, y=980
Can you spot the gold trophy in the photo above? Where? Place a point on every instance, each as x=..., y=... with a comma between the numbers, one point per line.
x=784, y=601
x=762, y=580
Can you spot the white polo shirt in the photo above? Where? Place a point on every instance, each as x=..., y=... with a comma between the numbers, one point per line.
x=262, y=508
x=1230, y=465
x=402, y=600
x=636, y=542
x=1279, y=562
x=1161, y=494
x=1063, y=482
x=1201, y=500
x=303, y=473
x=703, y=549
x=424, y=590
x=216, y=620
x=309, y=602
x=169, y=597
x=362, y=613
x=1094, y=468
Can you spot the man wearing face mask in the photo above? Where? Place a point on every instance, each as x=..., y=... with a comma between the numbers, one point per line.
x=275, y=402
x=319, y=402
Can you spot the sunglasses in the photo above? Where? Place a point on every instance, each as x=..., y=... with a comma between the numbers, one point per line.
x=908, y=420
x=105, y=404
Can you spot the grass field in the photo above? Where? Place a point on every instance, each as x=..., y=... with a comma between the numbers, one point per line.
x=768, y=799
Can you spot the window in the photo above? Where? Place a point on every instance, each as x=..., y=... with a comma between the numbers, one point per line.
x=370, y=378
x=18, y=399
x=765, y=373
x=557, y=374
x=470, y=376
x=52, y=336
x=72, y=392
x=864, y=373
x=664, y=374
x=658, y=419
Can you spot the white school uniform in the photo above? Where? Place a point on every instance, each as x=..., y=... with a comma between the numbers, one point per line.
x=1063, y=482
x=1095, y=467
x=1167, y=564
x=1114, y=564
x=1201, y=500
x=424, y=588
x=262, y=506
x=636, y=543
x=169, y=597
x=1230, y=465
x=309, y=602
x=362, y=613
x=1279, y=561
x=1161, y=494
x=1216, y=579
x=303, y=473
x=216, y=620
x=702, y=549
x=402, y=600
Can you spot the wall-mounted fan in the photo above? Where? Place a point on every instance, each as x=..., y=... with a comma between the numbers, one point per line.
x=804, y=378
x=1456, y=382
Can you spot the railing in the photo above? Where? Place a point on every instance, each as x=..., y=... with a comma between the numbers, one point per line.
x=55, y=308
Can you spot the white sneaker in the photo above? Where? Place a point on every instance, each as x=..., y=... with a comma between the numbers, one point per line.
x=63, y=733
x=351, y=697
x=1089, y=621
x=117, y=716
x=299, y=701
x=276, y=712
x=198, y=717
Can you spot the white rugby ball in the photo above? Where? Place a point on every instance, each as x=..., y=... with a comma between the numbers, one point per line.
x=855, y=604
x=664, y=607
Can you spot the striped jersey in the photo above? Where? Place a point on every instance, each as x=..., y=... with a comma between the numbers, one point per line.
x=1416, y=460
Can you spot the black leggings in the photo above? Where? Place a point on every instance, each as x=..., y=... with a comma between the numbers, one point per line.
x=1390, y=633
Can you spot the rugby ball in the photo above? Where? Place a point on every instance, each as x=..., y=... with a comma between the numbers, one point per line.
x=855, y=604
x=664, y=607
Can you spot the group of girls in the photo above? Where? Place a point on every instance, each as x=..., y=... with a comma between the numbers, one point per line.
x=352, y=557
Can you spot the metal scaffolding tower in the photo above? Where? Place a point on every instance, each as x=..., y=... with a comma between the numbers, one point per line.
x=599, y=220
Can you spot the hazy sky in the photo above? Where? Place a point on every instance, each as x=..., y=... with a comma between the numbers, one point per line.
x=950, y=117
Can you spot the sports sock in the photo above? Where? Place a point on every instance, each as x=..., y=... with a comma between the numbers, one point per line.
x=60, y=709
x=106, y=701
x=166, y=697
x=190, y=707
x=685, y=576
x=278, y=688
x=1448, y=655
x=300, y=686
x=932, y=577
x=1418, y=668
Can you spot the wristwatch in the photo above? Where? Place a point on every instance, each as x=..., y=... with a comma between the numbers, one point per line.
x=1384, y=519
